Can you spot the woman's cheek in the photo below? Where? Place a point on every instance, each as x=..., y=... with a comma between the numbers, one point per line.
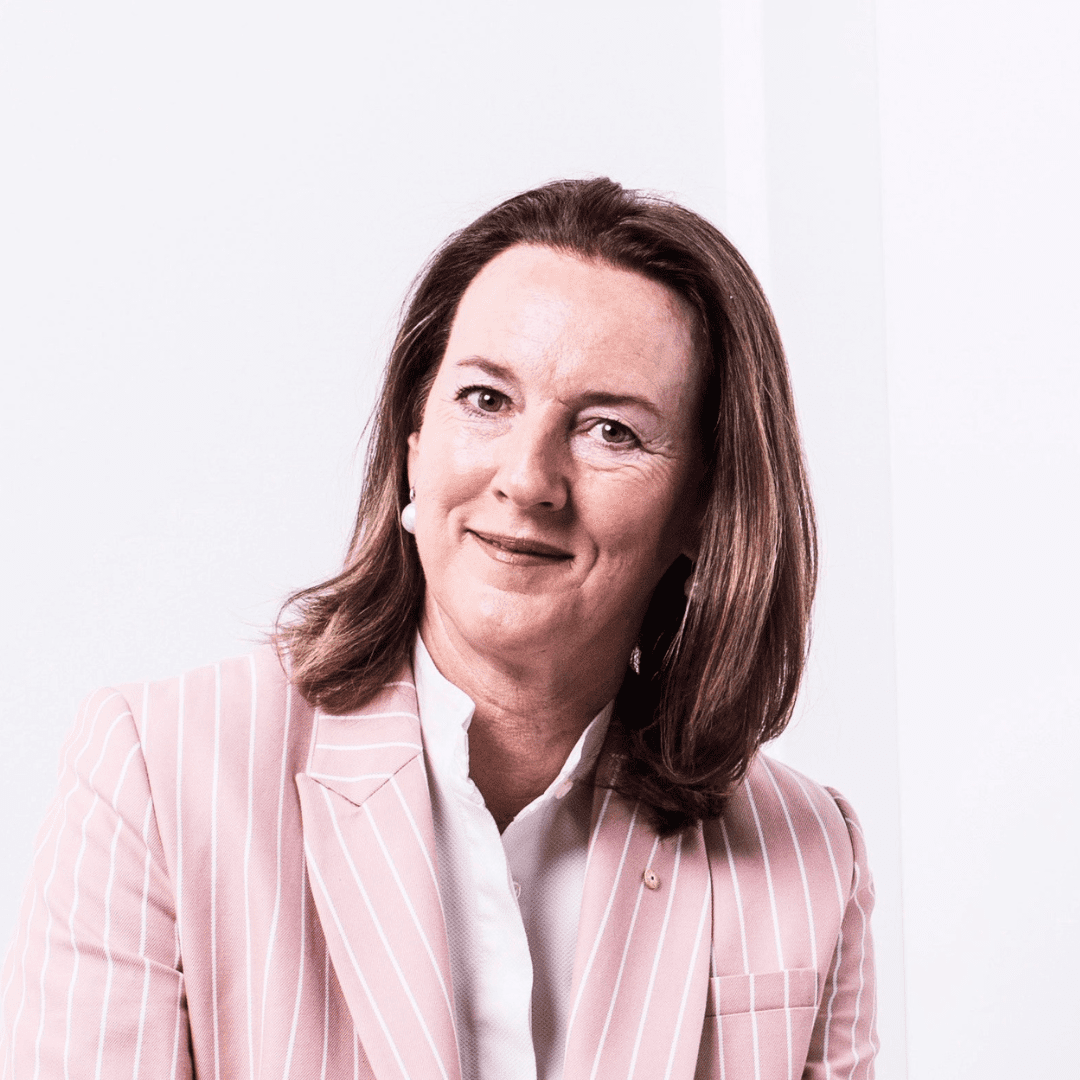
x=468, y=457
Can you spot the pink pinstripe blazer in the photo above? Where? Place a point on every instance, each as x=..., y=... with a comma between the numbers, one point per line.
x=232, y=884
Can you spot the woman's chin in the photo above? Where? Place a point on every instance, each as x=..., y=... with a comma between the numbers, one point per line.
x=515, y=623
x=512, y=628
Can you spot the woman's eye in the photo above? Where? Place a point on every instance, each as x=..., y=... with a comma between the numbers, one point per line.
x=614, y=433
x=484, y=398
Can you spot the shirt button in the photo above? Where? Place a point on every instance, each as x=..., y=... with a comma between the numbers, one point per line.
x=517, y=890
x=563, y=788
x=651, y=879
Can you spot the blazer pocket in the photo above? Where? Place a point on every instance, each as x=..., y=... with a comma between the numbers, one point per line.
x=760, y=991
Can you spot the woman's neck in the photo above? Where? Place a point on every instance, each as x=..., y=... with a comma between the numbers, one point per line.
x=529, y=713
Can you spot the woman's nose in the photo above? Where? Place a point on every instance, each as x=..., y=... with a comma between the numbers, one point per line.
x=531, y=470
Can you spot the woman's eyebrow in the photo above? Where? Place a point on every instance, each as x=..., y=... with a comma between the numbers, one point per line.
x=490, y=367
x=602, y=397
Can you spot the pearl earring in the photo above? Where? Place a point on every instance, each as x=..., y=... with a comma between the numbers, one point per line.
x=408, y=513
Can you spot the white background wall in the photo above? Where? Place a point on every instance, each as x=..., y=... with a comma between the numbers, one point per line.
x=209, y=214
x=981, y=169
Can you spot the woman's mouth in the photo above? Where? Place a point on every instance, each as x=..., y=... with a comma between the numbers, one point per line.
x=520, y=549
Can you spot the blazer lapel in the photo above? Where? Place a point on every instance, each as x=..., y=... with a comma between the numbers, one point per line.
x=641, y=968
x=370, y=851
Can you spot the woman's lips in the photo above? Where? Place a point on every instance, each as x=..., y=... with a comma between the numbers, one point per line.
x=520, y=549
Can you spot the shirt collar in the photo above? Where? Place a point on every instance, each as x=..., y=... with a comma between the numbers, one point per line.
x=446, y=712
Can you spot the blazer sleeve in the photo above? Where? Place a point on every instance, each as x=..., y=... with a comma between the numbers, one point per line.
x=844, y=1041
x=93, y=984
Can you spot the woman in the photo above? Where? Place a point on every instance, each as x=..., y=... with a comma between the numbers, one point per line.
x=494, y=807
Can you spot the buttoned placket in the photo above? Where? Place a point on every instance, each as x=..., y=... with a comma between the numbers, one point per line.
x=493, y=930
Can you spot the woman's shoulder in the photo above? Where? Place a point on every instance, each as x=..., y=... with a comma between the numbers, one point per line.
x=232, y=684
x=789, y=822
x=224, y=715
x=255, y=680
x=221, y=739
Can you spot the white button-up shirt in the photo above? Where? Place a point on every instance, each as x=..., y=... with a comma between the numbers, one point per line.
x=512, y=901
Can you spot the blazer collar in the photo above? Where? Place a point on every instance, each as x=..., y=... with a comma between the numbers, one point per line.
x=370, y=853
x=641, y=965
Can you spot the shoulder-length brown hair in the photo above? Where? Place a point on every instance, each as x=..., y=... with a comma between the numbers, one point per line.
x=714, y=676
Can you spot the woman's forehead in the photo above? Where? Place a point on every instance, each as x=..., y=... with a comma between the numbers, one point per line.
x=534, y=271
x=543, y=308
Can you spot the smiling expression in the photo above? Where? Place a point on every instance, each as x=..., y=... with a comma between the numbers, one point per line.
x=557, y=460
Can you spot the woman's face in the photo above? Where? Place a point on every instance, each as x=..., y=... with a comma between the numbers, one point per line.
x=558, y=458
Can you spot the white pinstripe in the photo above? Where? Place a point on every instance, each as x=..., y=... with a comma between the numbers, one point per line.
x=326, y=1010
x=142, y=937
x=802, y=864
x=52, y=824
x=416, y=832
x=106, y=943
x=382, y=933
x=837, y=959
x=179, y=1011
x=738, y=896
x=75, y=891
x=596, y=829
x=272, y=937
x=10, y=1048
x=179, y=814
x=326, y=952
x=656, y=958
x=143, y=735
x=706, y=904
x=313, y=864
x=299, y=978
x=836, y=973
x=787, y=1016
x=52, y=874
x=607, y=910
x=247, y=857
x=622, y=959
x=862, y=975
x=720, y=1045
x=746, y=956
x=409, y=907
x=828, y=841
x=838, y=956
x=768, y=872
x=806, y=894
x=7, y=986
x=50, y=827
x=368, y=746
x=4, y=993
x=875, y=1041
x=144, y=741
x=311, y=740
x=350, y=779
x=214, y=870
